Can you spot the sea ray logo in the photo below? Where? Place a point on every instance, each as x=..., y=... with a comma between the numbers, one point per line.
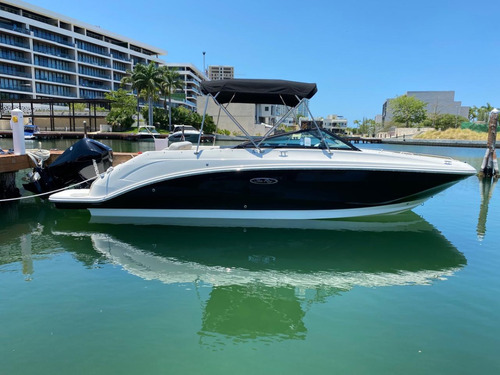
x=264, y=181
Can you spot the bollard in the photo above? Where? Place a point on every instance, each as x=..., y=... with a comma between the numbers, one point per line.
x=17, y=126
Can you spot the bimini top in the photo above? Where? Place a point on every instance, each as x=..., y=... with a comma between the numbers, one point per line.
x=259, y=91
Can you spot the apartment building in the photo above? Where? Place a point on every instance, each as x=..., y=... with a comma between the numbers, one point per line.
x=192, y=78
x=47, y=55
x=216, y=72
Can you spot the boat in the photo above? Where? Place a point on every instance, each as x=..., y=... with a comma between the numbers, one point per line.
x=308, y=174
x=30, y=131
x=147, y=133
x=189, y=133
x=78, y=164
x=184, y=133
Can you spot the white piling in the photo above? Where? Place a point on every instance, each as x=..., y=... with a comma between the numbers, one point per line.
x=17, y=126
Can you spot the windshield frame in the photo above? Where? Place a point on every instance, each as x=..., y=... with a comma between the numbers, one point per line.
x=297, y=140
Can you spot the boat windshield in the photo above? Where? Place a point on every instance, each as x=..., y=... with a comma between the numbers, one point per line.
x=308, y=138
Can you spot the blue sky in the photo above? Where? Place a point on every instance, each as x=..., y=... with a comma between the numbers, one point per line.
x=358, y=52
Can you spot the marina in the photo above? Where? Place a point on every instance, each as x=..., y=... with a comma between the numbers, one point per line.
x=414, y=294
x=164, y=212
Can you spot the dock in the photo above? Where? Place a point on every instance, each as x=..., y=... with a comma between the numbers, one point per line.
x=16, y=163
x=356, y=139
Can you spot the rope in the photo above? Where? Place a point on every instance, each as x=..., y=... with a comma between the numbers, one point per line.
x=49, y=192
x=38, y=156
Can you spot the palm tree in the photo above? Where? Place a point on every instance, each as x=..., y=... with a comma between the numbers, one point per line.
x=171, y=81
x=146, y=80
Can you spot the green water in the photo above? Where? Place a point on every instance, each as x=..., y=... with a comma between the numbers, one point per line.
x=416, y=293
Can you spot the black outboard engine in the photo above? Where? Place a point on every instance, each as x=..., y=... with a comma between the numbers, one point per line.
x=78, y=163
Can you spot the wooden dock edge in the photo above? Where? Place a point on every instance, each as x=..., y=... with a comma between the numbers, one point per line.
x=15, y=163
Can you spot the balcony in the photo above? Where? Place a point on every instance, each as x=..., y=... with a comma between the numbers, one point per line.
x=95, y=50
x=14, y=27
x=94, y=86
x=53, y=53
x=15, y=73
x=101, y=64
x=13, y=42
x=24, y=87
x=52, y=65
x=13, y=57
x=50, y=92
x=119, y=67
x=52, y=37
x=87, y=94
x=122, y=58
x=93, y=74
x=56, y=80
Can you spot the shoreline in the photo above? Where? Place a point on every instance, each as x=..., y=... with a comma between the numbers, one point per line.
x=436, y=142
x=219, y=137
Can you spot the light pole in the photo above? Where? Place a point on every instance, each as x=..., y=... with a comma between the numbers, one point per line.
x=204, y=71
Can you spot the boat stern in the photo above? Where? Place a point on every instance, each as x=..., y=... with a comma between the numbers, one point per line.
x=73, y=198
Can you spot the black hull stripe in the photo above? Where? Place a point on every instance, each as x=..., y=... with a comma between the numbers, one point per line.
x=281, y=190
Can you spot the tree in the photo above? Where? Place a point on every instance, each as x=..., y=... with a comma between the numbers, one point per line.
x=171, y=81
x=473, y=112
x=367, y=126
x=182, y=116
x=146, y=80
x=407, y=110
x=122, y=108
x=483, y=113
x=447, y=120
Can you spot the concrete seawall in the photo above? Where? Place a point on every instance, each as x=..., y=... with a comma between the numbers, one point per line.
x=435, y=142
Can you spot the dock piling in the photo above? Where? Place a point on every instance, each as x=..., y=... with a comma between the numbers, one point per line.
x=489, y=167
x=17, y=125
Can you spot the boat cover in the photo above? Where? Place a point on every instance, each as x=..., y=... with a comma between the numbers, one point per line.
x=259, y=91
x=75, y=165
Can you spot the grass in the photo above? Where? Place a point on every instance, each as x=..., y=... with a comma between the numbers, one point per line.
x=461, y=134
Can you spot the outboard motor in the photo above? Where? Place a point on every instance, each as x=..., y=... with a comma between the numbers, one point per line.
x=80, y=162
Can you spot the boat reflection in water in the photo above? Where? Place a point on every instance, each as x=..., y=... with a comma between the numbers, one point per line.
x=263, y=280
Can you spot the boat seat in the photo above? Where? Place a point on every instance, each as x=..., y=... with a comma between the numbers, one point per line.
x=185, y=145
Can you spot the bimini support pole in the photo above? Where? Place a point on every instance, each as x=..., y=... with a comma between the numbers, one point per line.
x=319, y=130
x=203, y=122
x=231, y=117
x=270, y=131
x=489, y=167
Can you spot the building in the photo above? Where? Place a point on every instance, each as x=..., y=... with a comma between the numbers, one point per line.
x=192, y=78
x=270, y=114
x=216, y=72
x=47, y=55
x=438, y=103
x=335, y=124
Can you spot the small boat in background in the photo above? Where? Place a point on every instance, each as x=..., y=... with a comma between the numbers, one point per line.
x=183, y=133
x=147, y=133
x=30, y=131
x=189, y=133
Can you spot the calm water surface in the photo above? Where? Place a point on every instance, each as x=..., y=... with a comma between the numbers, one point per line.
x=417, y=293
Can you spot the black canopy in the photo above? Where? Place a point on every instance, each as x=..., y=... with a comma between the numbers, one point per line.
x=259, y=91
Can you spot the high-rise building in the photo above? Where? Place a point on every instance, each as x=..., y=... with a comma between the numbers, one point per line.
x=47, y=55
x=216, y=72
